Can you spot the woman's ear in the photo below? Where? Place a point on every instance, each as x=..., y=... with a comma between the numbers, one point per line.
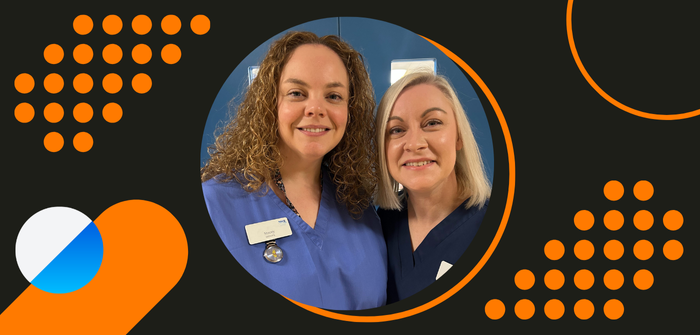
x=459, y=143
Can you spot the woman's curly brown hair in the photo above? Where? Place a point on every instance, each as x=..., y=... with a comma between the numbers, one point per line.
x=246, y=150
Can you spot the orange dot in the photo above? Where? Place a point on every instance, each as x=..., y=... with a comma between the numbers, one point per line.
x=141, y=24
x=613, y=309
x=141, y=54
x=82, y=142
x=112, y=24
x=53, y=54
x=82, y=24
x=643, y=220
x=24, y=83
x=24, y=112
x=82, y=83
x=112, y=83
x=112, y=112
x=643, y=279
x=171, y=24
x=584, y=309
x=141, y=83
x=613, y=220
x=495, y=309
x=82, y=112
x=112, y=54
x=554, y=279
x=171, y=53
x=53, y=142
x=53, y=112
x=554, y=250
x=583, y=220
x=200, y=24
x=613, y=250
x=584, y=279
x=613, y=190
x=673, y=220
x=524, y=279
x=643, y=249
x=613, y=279
x=554, y=309
x=673, y=250
x=584, y=250
x=524, y=309
x=643, y=190
x=82, y=54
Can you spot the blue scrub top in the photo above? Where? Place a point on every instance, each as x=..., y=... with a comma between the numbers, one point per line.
x=340, y=265
x=411, y=271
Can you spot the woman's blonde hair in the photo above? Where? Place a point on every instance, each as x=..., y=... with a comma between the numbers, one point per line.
x=469, y=167
x=246, y=150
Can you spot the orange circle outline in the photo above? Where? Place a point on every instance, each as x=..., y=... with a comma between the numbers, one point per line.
x=494, y=242
x=589, y=79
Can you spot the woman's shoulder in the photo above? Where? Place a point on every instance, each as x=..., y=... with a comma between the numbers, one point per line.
x=218, y=186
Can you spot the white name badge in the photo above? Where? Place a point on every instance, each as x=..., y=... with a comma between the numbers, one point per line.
x=444, y=266
x=268, y=230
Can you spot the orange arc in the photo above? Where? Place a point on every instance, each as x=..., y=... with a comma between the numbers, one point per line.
x=589, y=79
x=496, y=239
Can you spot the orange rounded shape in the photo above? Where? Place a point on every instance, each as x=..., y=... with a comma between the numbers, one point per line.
x=584, y=279
x=673, y=250
x=112, y=112
x=613, y=279
x=554, y=279
x=82, y=112
x=200, y=24
x=141, y=54
x=524, y=279
x=584, y=309
x=613, y=190
x=643, y=279
x=171, y=54
x=82, y=83
x=141, y=83
x=524, y=309
x=24, y=83
x=112, y=83
x=643, y=220
x=112, y=24
x=171, y=24
x=53, y=112
x=613, y=309
x=82, y=24
x=53, y=142
x=141, y=24
x=82, y=54
x=24, y=112
x=53, y=54
x=554, y=309
x=554, y=250
x=643, y=250
x=643, y=190
x=673, y=220
x=584, y=250
x=82, y=142
x=112, y=54
x=613, y=250
x=613, y=220
x=495, y=309
x=583, y=220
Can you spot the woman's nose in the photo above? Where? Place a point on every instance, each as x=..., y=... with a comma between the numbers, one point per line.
x=315, y=107
x=415, y=140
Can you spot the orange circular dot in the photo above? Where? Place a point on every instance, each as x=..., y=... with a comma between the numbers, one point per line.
x=613, y=279
x=524, y=279
x=584, y=220
x=82, y=83
x=200, y=24
x=82, y=24
x=584, y=309
x=171, y=24
x=112, y=24
x=141, y=83
x=171, y=53
x=613, y=309
x=112, y=83
x=554, y=279
x=53, y=112
x=584, y=279
x=524, y=309
x=673, y=220
x=613, y=220
x=554, y=250
x=141, y=54
x=613, y=250
x=112, y=54
x=82, y=54
x=82, y=112
x=24, y=112
x=613, y=190
x=584, y=250
x=495, y=309
x=24, y=83
x=53, y=142
x=112, y=112
x=643, y=190
x=643, y=220
x=673, y=250
x=141, y=24
x=53, y=54
x=643, y=279
x=82, y=142
x=643, y=250
x=554, y=309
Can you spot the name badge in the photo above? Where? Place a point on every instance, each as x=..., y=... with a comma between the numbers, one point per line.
x=268, y=230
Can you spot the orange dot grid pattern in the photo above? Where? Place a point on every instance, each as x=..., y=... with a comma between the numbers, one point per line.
x=584, y=279
x=112, y=83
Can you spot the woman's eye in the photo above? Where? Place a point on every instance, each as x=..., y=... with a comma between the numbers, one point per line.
x=335, y=97
x=295, y=94
x=433, y=123
x=395, y=131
